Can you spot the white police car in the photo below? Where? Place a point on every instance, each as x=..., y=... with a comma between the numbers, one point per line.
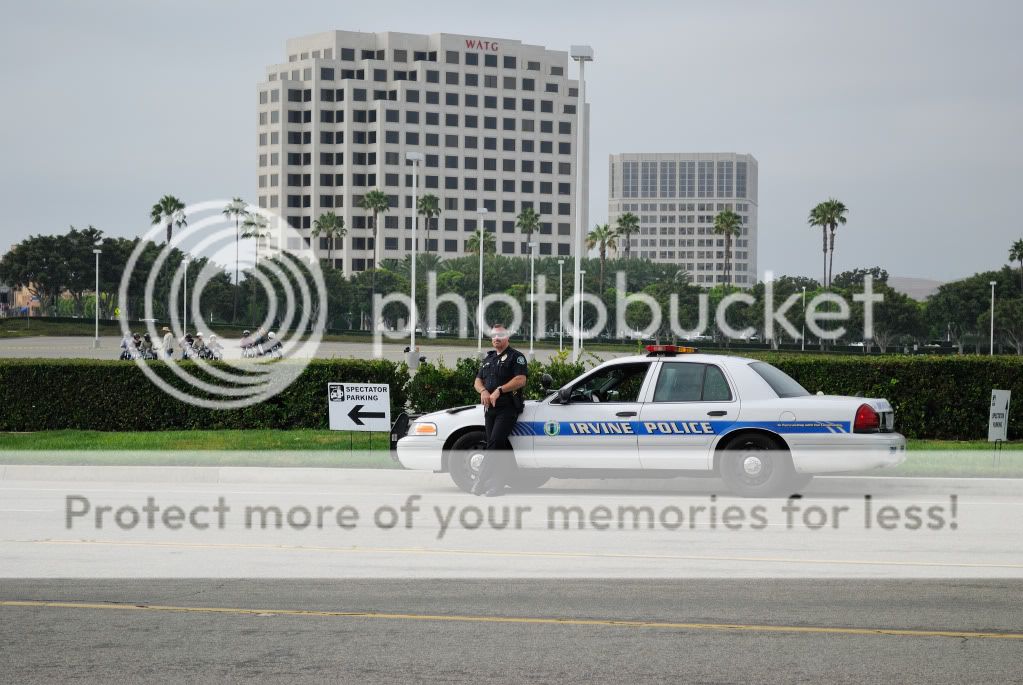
x=671, y=413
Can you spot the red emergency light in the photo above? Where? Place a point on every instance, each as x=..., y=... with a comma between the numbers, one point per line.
x=668, y=350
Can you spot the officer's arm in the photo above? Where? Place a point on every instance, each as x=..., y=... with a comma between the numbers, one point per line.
x=514, y=384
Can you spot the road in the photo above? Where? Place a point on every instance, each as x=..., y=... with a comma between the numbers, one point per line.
x=541, y=631
x=378, y=603
x=82, y=348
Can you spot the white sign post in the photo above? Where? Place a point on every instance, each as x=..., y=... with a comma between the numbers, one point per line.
x=998, y=420
x=359, y=407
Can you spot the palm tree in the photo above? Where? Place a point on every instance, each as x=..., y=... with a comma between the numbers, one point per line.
x=473, y=243
x=255, y=226
x=236, y=208
x=528, y=221
x=604, y=237
x=628, y=224
x=169, y=210
x=375, y=201
x=728, y=224
x=1016, y=255
x=828, y=215
x=332, y=227
x=428, y=206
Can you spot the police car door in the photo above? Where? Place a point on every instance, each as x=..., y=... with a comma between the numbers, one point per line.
x=595, y=429
x=690, y=405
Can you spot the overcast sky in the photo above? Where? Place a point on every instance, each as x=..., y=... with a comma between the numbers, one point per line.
x=909, y=112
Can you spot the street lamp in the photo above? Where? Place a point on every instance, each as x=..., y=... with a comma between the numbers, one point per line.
x=582, y=291
x=991, y=353
x=802, y=335
x=482, y=211
x=97, y=252
x=413, y=356
x=532, y=298
x=581, y=54
x=185, y=259
x=561, y=301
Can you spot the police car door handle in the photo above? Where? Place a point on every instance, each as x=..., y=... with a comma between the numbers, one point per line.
x=625, y=413
x=717, y=412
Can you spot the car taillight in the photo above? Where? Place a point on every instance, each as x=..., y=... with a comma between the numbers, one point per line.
x=867, y=420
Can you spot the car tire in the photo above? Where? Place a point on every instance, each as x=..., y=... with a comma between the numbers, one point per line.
x=759, y=466
x=465, y=458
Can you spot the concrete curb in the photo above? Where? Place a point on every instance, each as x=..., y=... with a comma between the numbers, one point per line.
x=213, y=475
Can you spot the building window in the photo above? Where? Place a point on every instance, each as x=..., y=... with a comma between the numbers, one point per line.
x=725, y=179
x=740, y=179
x=472, y=59
x=630, y=179
x=687, y=179
x=490, y=60
x=705, y=179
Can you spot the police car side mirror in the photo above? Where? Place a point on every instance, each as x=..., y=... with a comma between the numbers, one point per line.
x=546, y=382
x=565, y=395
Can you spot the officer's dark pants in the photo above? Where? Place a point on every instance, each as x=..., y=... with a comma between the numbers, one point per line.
x=499, y=462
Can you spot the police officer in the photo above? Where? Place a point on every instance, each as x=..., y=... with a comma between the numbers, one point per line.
x=499, y=382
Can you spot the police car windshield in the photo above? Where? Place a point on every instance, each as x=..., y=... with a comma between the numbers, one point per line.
x=782, y=384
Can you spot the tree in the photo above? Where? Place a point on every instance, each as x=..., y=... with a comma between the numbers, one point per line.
x=480, y=235
x=528, y=221
x=428, y=206
x=828, y=215
x=255, y=226
x=236, y=209
x=627, y=225
x=855, y=278
x=604, y=238
x=376, y=202
x=170, y=211
x=728, y=224
x=1008, y=321
x=1016, y=255
x=39, y=265
x=81, y=263
x=330, y=226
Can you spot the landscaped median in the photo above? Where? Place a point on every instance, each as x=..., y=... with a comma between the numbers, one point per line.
x=324, y=448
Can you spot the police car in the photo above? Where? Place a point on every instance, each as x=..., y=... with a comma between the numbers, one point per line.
x=672, y=412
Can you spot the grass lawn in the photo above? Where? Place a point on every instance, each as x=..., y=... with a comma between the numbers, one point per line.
x=324, y=448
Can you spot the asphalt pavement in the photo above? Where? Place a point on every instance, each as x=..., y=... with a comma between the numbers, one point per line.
x=511, y=631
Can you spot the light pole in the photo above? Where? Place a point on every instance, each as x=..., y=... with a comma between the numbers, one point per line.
x=561, y=301
x=532, y=297
x=413, y=356
x=581, y=54
x=482, y=211
x=582, y=291
x=97, y=252
x=802, y=335
x=991, y=352
x=185, y=259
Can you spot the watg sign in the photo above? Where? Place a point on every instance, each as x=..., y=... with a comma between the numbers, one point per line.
x=477, y=44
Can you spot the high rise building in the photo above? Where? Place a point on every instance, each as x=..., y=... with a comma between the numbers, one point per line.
x=496, y=121
x=676, y=197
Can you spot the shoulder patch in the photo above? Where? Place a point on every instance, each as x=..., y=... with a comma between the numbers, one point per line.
x=521, y=359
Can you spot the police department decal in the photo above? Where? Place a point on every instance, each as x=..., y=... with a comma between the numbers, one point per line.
x=552, y=428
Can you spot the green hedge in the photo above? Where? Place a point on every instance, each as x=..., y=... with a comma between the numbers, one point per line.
x=116, y=396
x=933, y=397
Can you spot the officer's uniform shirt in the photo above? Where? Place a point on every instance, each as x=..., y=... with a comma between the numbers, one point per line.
x=498, y=369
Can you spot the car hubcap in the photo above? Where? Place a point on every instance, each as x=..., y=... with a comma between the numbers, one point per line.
x=475, y=462
x=752, y=466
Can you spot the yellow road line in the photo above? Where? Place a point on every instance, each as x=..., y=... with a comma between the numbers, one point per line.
x=516, y=553
x=521, y=620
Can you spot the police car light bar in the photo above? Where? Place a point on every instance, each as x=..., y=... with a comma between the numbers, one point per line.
x=668, y=350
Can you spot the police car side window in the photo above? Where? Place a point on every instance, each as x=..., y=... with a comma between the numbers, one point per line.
x=620, y=383
x=690, y=382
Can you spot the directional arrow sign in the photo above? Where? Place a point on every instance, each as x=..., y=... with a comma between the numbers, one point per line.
x=357, y=415
x=359, y=406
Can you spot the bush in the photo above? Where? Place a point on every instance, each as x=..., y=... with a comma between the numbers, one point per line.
x=116, y=396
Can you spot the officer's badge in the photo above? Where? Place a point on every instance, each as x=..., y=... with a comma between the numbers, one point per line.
x=521, y=360
x=503, y=357
x=552, y=428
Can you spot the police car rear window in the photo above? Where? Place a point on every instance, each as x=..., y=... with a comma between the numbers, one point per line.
x=691, y=382
x=782, y=384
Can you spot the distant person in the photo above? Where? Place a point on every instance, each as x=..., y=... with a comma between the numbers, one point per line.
x=168, y=342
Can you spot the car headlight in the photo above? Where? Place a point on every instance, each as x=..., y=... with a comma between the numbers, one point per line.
x=422, y=428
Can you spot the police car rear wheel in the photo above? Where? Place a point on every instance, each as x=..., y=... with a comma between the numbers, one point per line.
x=465, y=459
x=757, y=466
